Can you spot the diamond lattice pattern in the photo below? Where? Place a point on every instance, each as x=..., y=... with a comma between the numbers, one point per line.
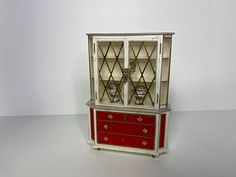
x=110, y=71
x=143, y=63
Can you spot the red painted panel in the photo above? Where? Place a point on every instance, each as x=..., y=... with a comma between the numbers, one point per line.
x=126, y=128
x=127, y=141
x=138, y=142
x=146, y=119
x=162, y=131
x=110, y=116
x=91, y=124
x=112, y=139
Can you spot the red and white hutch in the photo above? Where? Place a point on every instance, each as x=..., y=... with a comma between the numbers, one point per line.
x=129, y=85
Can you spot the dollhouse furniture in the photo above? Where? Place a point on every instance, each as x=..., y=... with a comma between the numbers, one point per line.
x=129, y=86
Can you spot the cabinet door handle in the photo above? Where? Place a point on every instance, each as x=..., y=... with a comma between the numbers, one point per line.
x=110, y=116
x=105, y=126
x=144, y=143
x=105, y=139
x=145, y=130
x=139, y=119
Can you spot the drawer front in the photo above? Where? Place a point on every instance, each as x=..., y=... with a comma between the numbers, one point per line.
x=145, y=119
x=110, y=116
x=126, y=128
x=112, y=139
x=127, y=141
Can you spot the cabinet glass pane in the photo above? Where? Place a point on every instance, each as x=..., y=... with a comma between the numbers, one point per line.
x=110, y=56
x=142, y=64
x=165, y=72
x=91, y=67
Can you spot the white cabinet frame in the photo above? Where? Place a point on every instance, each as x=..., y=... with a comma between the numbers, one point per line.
x=126, y=40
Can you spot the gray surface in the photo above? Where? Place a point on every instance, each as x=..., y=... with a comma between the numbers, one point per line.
x=201, y=144
x=44, y=55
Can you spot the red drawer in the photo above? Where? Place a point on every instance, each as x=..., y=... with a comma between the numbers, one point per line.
x=110, y=116
x=127, y=141
x=145, y=119
x=126, y=128
x=112, y=139
x=138, y=142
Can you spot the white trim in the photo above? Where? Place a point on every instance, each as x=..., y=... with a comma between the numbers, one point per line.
x=125, y=149
x=163, y=150
x=126, y=112
x=128, y=106
x=166, y=131
x=95, y=71
x=112, y=38
x=89, y=125
x=90, y=142
x=126, y=66
x=158, y=76
x=144, y=37
x=157, y=133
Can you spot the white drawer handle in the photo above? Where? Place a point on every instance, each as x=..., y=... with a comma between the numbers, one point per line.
x=145, y=130
x=139, y=119
x=105, y=126
x=110, y=116
x=105, y=139
x=144, y=143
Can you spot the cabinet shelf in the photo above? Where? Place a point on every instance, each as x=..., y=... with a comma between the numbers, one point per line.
x=146, y=81
x=131, y=58
x=111, y=58
x=134, y=81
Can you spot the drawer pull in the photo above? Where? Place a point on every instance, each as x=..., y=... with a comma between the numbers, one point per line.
x=139, y=119
x=110, y=116
x=145, y=130
x=105, y=139
x=144, y=143
x=105, y=126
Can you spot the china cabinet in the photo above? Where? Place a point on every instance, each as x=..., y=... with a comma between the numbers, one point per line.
x=129, y=85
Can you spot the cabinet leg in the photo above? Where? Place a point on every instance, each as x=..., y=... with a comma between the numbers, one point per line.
x=153, y=156
x=98, y=149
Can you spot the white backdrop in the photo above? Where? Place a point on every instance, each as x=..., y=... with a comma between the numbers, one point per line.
x=43, y=50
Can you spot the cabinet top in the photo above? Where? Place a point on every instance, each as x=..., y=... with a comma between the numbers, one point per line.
x=130, y=34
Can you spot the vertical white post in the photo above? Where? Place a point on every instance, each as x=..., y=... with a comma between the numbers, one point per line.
x=126, y=65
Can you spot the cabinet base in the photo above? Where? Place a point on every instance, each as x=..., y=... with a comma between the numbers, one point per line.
x=154, y=154
x=141, y=133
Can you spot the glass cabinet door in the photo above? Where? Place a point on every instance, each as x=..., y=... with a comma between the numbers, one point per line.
x=110, y=65
x=165, y=72
x=91, y=68
x=143, y=72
